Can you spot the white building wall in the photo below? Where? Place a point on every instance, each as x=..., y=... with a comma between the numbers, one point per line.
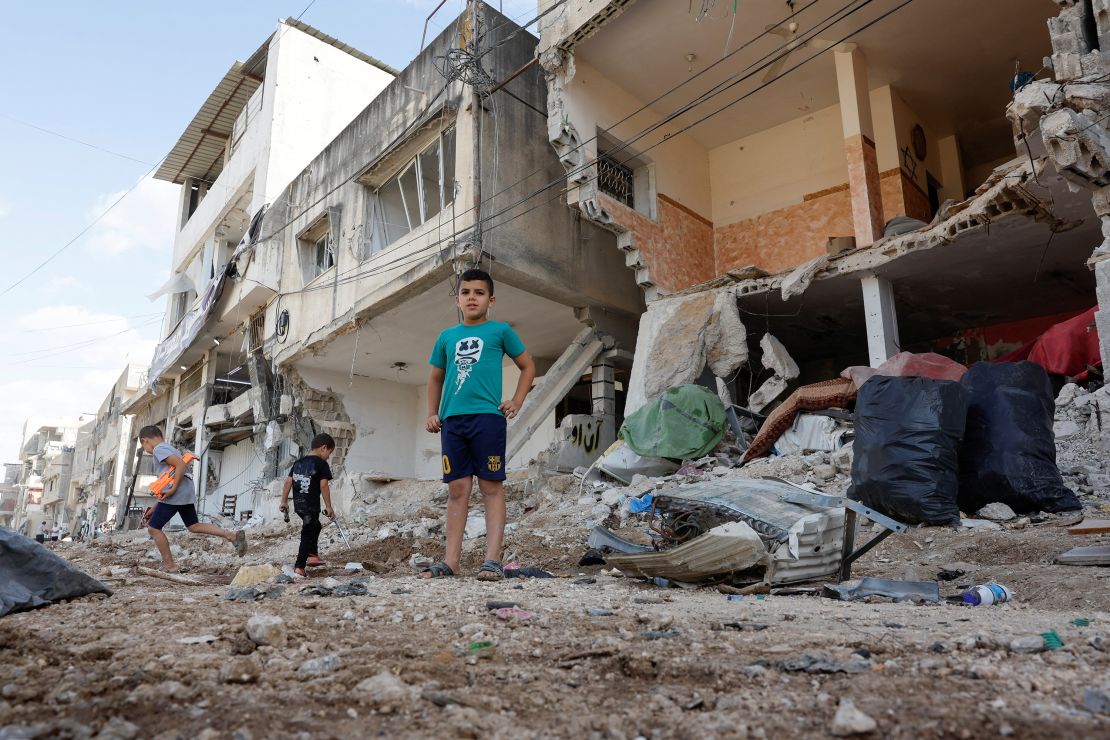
x=313, y=91
x=384, y=419
x=240, y=465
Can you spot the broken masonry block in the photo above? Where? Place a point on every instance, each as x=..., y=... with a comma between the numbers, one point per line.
x=777, y=359
x=771, y=389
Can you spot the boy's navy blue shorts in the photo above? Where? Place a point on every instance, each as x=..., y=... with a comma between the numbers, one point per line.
x=162, y=514
x=473, y=444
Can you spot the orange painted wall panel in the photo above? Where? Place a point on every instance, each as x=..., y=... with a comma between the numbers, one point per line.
x=677, y=249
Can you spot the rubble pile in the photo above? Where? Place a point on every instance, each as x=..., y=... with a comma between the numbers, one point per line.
x=1083, y=443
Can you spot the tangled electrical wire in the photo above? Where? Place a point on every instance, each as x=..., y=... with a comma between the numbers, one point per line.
x=462, y=65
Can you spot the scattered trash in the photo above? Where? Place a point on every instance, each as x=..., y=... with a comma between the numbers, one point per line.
x=514, y=613
x=198, y=640
x=987, y=595
x=592, y=557
x=1091, y=526
x=727, y=548
x=640, y=505
x=685, y=423
x=1052, y=640
x=916, y=591
x=745, y=626
x=659, y=634
x=734, y=597
x=821, y=663
x=257, y=592
x=596, y=612
x=950, y=575
x=1086, y=556
x=354, y=588
x=603, y=540
x=1008, y=453
x=1081, y=622
x=32, y=576
x=353, y=566
x=494, y=605
x=483, y=649
x=583, y=581
x=512, y=570
x=622, y=463
x=905, y=461
x=811, y=432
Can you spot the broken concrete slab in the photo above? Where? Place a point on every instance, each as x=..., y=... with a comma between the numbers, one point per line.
x=726, y=340
x=249, y=575
x=771, y=389
x=797, y=281
x=1085, y=556
x=670, y=346
x=777, y=359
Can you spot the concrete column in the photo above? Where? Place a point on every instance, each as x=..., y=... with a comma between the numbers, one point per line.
x=882, y=319
x=603, y=390
x=859, y=144
x=1102, y=316
x=951, y=169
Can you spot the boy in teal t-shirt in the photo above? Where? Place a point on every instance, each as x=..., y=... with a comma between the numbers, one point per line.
x=465, y=407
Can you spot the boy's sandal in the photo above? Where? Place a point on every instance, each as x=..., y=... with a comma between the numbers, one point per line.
x=490, y=570
x=439, y=570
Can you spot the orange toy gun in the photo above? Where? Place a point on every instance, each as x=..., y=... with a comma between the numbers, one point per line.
x=165, y=480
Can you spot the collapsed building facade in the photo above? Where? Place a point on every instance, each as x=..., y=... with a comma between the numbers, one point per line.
x=46, y=459
x=816, y=182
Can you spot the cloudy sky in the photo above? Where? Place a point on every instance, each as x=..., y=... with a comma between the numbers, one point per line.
x=122, y=79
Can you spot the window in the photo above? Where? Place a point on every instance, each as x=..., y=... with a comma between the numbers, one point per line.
x=422, y=188
x=323, y=256
x=625, y=176
x=318, y=241
x=614, y=179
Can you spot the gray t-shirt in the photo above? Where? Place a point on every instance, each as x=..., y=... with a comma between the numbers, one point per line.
x=185, y=492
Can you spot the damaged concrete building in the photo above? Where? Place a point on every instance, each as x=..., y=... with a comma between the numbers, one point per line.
x=342, y=280
x=47, y=462
x=263, y=122
x=833, y=183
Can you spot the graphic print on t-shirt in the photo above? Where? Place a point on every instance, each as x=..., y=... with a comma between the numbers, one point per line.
x=467, y=353
x=302, y=482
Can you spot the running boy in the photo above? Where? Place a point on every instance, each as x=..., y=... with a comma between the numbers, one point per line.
x=464, y=404
x=310, y=475
x=179, y=498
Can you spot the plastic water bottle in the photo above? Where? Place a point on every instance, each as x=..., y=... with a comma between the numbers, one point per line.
x=987, y=594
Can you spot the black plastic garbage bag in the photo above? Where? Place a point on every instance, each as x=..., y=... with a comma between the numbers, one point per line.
x=905, y=461
x=1009, y=450
x=31, y=576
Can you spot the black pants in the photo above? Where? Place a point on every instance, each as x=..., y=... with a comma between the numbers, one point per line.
x=310, y=536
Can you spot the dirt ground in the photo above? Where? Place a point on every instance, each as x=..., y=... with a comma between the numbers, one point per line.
x=601, y=656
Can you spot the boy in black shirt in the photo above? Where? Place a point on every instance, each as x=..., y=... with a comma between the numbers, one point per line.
x=309, y=480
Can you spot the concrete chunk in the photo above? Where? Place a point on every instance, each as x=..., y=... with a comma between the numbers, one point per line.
x=777, y=359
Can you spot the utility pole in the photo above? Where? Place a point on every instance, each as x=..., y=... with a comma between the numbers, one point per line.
x=476, y=111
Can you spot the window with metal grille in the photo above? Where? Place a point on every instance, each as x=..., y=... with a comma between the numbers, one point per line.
x=257, y=331
x=614, y=179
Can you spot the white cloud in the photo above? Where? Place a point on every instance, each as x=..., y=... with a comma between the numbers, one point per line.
x=144, y=219
x=61, y=361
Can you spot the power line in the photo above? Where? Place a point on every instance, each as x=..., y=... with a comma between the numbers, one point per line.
x=109, y=209
x=45, y=352
x=786, y=47
x=768, y=60
x=93, y=323
x=51, y=132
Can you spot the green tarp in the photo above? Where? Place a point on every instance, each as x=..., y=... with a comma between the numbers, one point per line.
x=685, y=423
